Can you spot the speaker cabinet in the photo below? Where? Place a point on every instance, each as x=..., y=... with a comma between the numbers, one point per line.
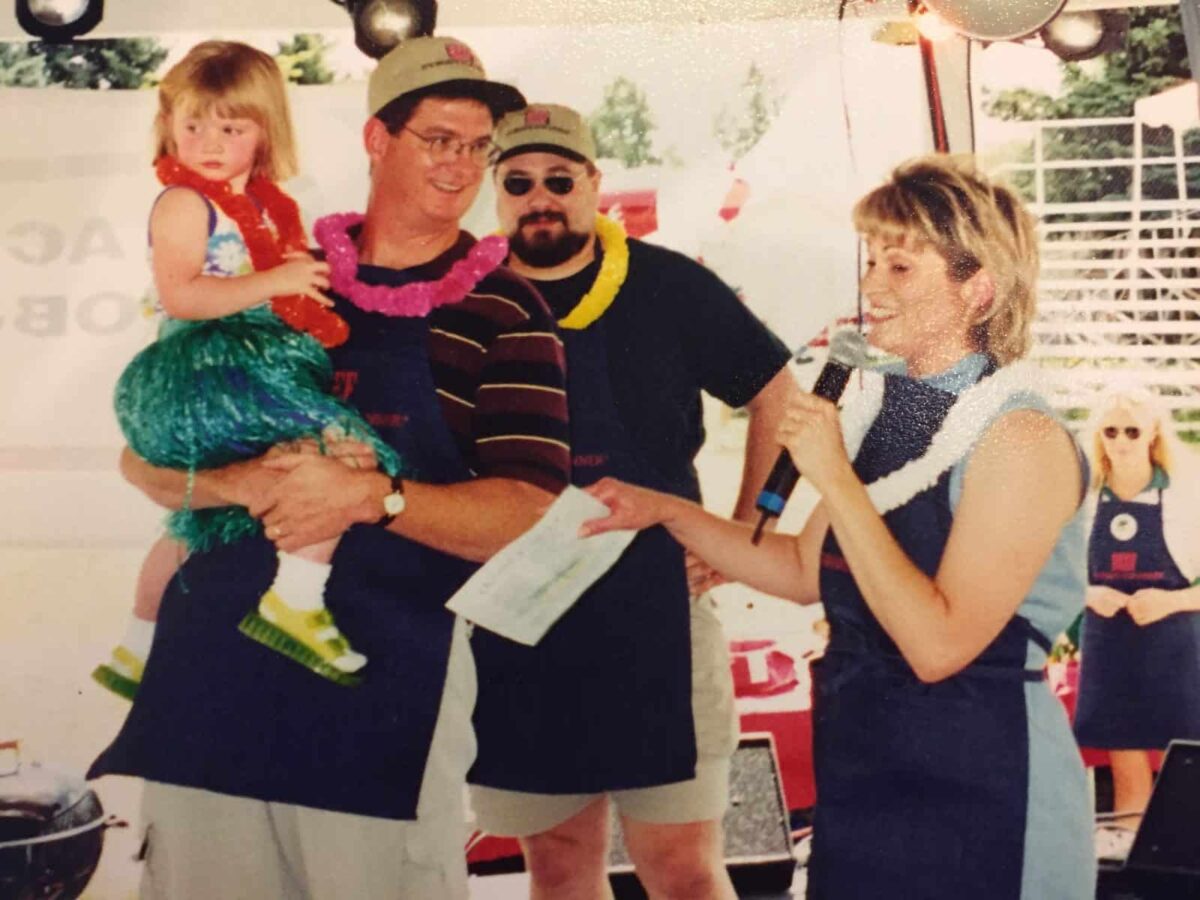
x=1164, y=862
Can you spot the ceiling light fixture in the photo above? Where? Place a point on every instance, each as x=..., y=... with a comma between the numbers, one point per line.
x=379, y=25
x=59, y=21
x=1076, y=36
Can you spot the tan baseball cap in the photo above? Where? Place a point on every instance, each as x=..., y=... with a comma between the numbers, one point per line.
x=423, y=62
x=547, y=128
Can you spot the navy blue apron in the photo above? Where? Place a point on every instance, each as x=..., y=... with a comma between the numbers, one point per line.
x=921, y=788
x=1139, y=686
x=221, y=712
x=604, y=701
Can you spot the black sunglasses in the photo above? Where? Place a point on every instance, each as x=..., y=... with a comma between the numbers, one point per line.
x=520, y=185
x=1131, y=431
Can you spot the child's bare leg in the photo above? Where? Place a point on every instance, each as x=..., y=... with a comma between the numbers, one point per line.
x=159, y=567
x=122, y=674
x=300, y=580
x=1133, y=780
x=292, y=617
x=319, y=553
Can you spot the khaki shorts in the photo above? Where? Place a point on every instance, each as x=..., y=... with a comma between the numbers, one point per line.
x=700, y=799
x=201, y=845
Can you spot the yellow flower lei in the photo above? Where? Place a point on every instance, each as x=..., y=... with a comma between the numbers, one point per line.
x=613, y=270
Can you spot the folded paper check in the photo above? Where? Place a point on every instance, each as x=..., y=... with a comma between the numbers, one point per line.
x=526, y=587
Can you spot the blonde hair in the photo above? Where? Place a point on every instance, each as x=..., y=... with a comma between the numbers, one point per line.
x=236, y=81
x=974, y=223
x=1149, y=412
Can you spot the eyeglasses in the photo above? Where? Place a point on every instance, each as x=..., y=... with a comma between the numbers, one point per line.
x=444, y=147
x=1131, y=431
x=520, y=185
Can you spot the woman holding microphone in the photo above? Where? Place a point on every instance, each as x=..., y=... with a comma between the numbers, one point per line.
x=947, y=551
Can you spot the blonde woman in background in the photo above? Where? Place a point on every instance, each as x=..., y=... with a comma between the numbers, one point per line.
x=1139, y=684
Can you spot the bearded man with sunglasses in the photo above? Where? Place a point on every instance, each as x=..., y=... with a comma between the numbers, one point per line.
x=263, y=780
x=629, y=697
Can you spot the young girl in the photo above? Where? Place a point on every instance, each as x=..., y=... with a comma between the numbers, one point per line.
x=230, y=375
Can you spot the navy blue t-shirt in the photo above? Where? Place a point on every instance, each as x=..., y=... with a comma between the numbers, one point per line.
x=675, y=329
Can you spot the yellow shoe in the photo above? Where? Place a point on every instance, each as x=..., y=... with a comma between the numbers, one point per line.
x=122, y=674
x=307, y=636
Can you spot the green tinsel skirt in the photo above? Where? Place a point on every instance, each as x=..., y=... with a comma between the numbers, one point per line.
x=211, y=392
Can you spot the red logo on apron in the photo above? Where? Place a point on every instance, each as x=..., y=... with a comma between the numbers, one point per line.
x=589, y=460
x=385, y=420
x=1124, y=562
x=343, y=383
x=834, y=562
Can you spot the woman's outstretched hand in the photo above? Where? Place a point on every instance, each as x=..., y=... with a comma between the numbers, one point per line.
x=629, y=507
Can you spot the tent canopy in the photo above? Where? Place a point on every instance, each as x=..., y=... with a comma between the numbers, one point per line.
x=143, y=17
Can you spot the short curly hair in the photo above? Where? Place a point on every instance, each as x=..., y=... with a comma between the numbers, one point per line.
x=974, y=223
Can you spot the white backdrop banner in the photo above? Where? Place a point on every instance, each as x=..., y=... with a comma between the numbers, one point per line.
x=76, y=186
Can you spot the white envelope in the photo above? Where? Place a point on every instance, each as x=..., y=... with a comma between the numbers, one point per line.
x=526, y=587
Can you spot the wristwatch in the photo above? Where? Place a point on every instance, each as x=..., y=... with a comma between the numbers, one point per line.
x=393, y=502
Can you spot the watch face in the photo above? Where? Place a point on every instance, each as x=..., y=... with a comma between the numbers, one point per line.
x=393, y=503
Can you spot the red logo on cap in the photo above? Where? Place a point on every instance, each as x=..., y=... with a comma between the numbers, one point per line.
x=460, y=53
x=537, y=116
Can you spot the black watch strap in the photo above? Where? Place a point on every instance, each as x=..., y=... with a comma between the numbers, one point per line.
x=397, y=488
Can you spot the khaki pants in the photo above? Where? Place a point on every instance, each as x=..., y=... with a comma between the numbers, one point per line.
x=202, y=845
x=700, y=799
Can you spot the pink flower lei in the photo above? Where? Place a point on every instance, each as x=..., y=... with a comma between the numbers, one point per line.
x=410, y=300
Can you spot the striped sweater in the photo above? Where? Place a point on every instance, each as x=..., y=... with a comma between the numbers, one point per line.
x=498, y=369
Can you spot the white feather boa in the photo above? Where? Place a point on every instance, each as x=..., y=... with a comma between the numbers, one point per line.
x=964, y=424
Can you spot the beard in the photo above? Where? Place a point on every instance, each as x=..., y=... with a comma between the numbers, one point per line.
x=545, y=249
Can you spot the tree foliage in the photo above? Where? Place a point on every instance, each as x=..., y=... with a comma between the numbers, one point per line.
x=303, y=59
x=622, y=125
x=115, y=63
x=738, y=131
x=129, y=63
x=1153, y=59
x=21, y=68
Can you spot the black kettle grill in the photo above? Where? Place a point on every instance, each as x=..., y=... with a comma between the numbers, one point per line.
x=51, y=830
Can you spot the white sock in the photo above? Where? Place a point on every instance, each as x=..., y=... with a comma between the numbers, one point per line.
x=139, y=634
x=300, y=583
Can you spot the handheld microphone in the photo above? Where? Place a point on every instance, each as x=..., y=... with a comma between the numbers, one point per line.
x=847, y=350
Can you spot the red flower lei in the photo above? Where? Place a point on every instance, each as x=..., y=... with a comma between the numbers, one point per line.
x=267, y=247
x=410, y=300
